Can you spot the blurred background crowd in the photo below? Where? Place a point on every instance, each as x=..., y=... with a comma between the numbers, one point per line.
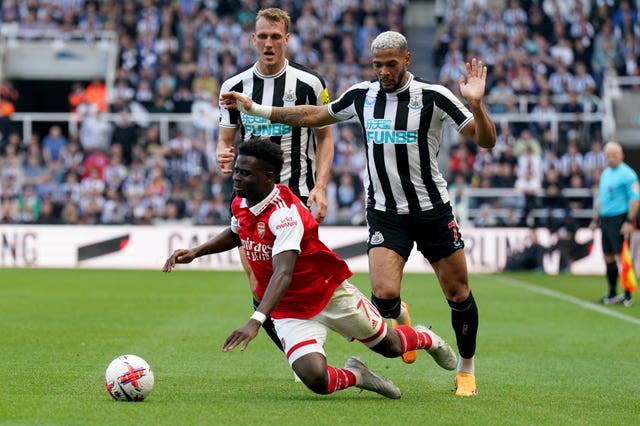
x=173, y=56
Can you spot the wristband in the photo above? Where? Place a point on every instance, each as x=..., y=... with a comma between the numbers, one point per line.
x=258, y=110
x=259, y=316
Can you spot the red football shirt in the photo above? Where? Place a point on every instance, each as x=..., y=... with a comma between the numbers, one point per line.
x=279, y=223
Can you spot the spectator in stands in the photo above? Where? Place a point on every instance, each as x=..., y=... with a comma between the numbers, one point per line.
x=561, y=80
x=8, y=98
x=483, y=161
x=96, y=94
x=95, y=131
x=115, y=173
x=529, y=182
x=29, y=203
x=543, y=112
x=125, y=134
x=8, y=201
x=582, y=81
x=594, y=159
x=572, y=157
x=525, y=141
x=571, y=106
x=523, y=81
x=486, y=217
x=501, y=97
x=12, y=170
x=578, y=202
x=144, y=93
x=348, y=193
x=114, y=210
x=53, y=144
x=48, y=214
x=461, y=162
x=33, y=170
x=553, y=198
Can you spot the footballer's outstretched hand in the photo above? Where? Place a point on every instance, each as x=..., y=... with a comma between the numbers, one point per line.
x=242, y=336
x=178, y=256
x=472, y=85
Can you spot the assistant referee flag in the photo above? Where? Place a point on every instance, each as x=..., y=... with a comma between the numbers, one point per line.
x=628, y=279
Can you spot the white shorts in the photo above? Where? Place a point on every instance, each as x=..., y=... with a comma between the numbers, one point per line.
x=348, y=312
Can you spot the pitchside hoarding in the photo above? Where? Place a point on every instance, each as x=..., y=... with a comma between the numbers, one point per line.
x=147, y=247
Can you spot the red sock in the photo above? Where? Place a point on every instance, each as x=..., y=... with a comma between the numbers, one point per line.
x=339, y=379
x=411, y=339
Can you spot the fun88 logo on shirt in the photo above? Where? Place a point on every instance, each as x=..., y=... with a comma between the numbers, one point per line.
x=379, y=132
x=259, y=126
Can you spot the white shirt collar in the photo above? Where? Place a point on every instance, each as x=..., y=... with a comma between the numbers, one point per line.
x=258, y=208
x=406, y=85
x=276, y=75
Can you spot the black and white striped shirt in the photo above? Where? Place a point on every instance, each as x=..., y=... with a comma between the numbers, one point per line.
x=402, y=132
x=294, y=85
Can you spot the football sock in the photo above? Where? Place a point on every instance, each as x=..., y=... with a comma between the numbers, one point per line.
x=388, y=308
x=339, y=378
x=466, y=364
x=612, y=278
x=464, y=319
x=412, y=339
x=269, y=328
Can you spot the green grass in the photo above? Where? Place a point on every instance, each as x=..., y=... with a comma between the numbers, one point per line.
x=545, y=354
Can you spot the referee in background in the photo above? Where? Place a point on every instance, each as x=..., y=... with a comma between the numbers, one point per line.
x=615, y=211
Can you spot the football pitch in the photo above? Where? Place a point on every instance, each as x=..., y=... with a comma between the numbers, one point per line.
x=546, y=354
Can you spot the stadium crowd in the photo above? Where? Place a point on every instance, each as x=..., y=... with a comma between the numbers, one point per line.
x=555, y=55
x=174, y=55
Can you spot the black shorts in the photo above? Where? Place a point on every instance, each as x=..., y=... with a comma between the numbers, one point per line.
x=435, y=232
x=611, y=237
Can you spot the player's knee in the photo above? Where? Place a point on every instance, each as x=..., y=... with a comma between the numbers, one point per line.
x=457, y=292
x=312, y=371
x=316, y=381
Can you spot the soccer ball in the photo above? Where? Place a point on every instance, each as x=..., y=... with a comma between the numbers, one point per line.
x=128, y=378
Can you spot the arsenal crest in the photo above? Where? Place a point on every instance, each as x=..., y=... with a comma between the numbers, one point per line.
x=260, y=227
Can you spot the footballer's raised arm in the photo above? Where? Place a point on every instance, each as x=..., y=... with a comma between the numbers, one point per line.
x=296, y=116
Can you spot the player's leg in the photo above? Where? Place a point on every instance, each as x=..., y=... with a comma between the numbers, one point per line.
x=388, y=248
x=440, y=241
x=452, y=275
x=268, y=323
x=304, y=347
x=352, y=315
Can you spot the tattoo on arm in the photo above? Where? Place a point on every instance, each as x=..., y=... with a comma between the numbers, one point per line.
x=297, y=116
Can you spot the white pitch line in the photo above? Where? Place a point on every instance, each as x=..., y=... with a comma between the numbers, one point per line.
x=571, y=299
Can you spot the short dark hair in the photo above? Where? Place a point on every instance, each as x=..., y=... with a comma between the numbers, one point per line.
x=265, y=150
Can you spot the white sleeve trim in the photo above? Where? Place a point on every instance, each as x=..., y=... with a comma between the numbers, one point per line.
x=286, y=224
x=464, y=123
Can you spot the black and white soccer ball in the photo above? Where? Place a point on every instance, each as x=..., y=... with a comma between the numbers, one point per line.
x=129, y=378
